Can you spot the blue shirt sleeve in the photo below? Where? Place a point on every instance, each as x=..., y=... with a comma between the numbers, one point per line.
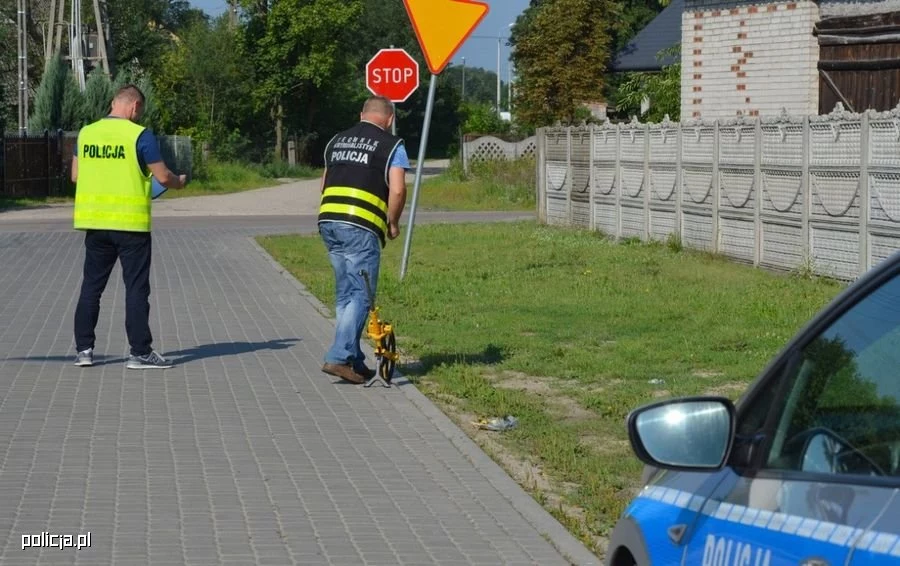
x=148, y=149
x=401, y=159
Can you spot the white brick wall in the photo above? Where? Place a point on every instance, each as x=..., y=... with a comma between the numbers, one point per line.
x=750, y=59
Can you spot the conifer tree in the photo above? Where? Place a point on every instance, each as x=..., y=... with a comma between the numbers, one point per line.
x=58, y=102
x=98, y=94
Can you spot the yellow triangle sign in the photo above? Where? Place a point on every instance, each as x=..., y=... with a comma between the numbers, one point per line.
x=442, y=26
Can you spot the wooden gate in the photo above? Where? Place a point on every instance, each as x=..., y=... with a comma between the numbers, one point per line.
x=31, y=165
x=859, y=62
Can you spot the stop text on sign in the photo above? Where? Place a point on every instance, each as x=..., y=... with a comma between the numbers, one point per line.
x=388, y=75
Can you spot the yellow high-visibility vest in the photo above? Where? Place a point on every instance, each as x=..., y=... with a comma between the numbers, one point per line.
x=112, y=192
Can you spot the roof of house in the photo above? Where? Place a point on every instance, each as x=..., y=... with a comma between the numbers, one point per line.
x=663, y=32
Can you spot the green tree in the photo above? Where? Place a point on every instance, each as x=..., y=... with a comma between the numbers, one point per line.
x=482, y=118
x=205, y=91
x=561, y=52
x=98, y=95
x=74, y=109
x=7, y=66
x=58, y=102
x=297, y=47
x=662, y=89
x=142, y=30
x=4, y=108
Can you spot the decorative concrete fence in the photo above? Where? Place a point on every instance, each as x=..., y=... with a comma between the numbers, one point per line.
x=785, y=192
x=491, y=148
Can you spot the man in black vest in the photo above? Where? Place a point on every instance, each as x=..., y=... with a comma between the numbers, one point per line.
x=363, y=195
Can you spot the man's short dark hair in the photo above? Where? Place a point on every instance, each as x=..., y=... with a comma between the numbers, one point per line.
x=130, y=93
x=378, y=105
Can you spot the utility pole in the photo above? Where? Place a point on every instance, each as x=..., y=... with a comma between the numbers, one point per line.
x=57, y=47
x=232, y=9
x=101, y=38
x=48, y=37
x=75, y=44
x=23, y=65
x=498, y=74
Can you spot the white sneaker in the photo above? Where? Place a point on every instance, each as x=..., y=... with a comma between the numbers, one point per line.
x=85, y=358
x=150, y=361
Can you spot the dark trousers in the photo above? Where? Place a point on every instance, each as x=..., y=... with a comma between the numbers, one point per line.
x=102, y=249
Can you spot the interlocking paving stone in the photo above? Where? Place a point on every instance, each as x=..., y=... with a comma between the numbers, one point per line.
x=244, y=453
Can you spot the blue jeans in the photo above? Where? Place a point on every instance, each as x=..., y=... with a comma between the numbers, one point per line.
x=351, y=249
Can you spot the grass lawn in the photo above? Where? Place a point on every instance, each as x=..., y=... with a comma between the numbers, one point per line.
x=501, y=185
x=224, y=178
x=7, y=202
x=568, y=332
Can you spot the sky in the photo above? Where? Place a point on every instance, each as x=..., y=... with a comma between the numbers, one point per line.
x=479, y=50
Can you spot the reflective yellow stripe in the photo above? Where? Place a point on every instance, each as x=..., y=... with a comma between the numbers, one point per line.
x=136, y=222
x=135, y=219
x=115, y=200
x=338, y=208
x=357, y=194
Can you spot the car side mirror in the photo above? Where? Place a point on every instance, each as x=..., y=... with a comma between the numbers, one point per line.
x=827, y=453
x=689, y=434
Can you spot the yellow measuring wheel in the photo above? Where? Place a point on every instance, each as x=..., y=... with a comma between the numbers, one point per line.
x=382, y=335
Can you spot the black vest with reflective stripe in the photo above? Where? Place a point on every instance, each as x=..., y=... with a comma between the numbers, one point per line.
x=357, y=178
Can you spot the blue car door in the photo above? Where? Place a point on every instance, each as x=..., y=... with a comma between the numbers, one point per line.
x=780, y=522
x=820, y=485
x=880, y=545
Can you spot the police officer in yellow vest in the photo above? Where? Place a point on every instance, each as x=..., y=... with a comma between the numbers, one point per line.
x=112, y=206
x=363, y=195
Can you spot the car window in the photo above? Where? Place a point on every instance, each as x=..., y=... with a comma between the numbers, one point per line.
x=841, y=414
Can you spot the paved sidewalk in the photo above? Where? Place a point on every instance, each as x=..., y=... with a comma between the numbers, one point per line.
x=244, y=453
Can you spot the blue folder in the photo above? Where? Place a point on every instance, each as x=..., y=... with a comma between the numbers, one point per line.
x=158, y=188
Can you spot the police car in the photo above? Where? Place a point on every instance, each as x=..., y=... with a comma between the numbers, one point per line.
x=804, y=470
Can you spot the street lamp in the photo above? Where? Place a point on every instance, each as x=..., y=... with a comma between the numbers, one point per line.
x=499, y=37
x=464, y=79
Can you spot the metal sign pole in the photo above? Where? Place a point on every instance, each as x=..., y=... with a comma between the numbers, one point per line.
x=394, y=123
x=419, y=164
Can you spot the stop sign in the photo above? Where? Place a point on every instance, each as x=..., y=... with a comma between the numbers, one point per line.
x=393, y=74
